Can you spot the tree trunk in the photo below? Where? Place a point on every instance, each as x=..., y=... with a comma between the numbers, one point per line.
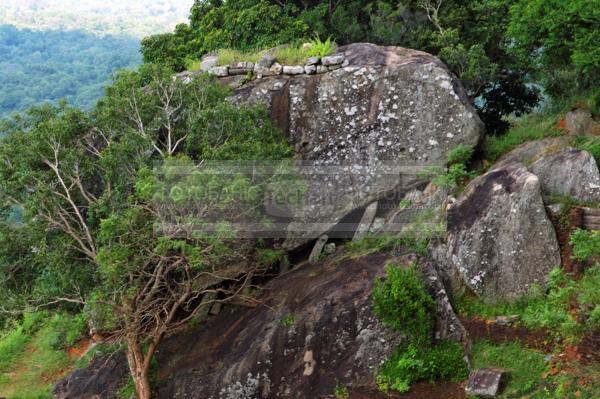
x=139, y=372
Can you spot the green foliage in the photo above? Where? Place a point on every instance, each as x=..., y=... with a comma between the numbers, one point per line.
x=52, y=65
x=525, y=366
x=388, y=242
x=36, y=349
x=461, y=154
x=341, y=392
x=288, y=320
x=531, y=127
x=586, y=244
x=457, y=174
x=561, y=37
x=411, y=363
x=402, y=302
x=319, y=48
x=568, y=310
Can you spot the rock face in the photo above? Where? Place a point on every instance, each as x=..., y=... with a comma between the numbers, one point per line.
x=500, y=240
x=313, y=329
x=569, y=172
x=386, y=104
x=579, y=122
x=316, y=329
x=529, y=152
x=101, y=379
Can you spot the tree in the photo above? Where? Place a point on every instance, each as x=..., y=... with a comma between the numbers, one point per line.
x=561, y=39
x=105, y=209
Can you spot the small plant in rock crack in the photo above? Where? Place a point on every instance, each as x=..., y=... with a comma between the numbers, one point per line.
x=288, y=320
x=341, y=391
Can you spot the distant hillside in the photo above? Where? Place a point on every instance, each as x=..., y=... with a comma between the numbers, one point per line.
x=50, y=65
x=137, y=18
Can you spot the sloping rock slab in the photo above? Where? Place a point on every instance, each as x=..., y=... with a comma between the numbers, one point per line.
x=101, y=379
x=569, y=172
x=500, y=240
x=388, y=104
x=529, y=152
x=314, y=330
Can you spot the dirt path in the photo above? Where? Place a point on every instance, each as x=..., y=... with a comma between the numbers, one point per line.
x=420, y=390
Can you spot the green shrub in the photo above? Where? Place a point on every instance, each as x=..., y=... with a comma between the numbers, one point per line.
x=402, y=302
x=412, y=363
x=63, y=331
x=320, y=48
x=586, y=244
x=461, y=154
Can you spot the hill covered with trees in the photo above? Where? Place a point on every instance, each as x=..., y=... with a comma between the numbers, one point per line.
x=95, y=187
x=53, y=65
x=136, y=18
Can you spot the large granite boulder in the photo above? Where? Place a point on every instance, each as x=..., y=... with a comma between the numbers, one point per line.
x=386, y=106
x=313, y=329
x=500, y=240
x=569, y=172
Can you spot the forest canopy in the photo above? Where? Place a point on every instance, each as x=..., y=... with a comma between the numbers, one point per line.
x=502, y=50
x=53, y=65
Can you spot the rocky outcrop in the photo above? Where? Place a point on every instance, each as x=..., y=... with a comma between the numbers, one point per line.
x=101, y=379
x=579, y=122
x=569, y=172
x=312, y=330
x=529, y=152
x=387, y=105
x=500, y=241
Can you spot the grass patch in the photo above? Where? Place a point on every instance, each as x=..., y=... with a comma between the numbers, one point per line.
x=528, y=128
x=568, y=310
x=591, y=145
x=229, y=56
x=525, y=366
x=289, y=54
x=38, y=356
x=385, y=243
